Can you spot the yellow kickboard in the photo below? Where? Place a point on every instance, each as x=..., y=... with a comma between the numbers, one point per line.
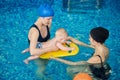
x=61, y=53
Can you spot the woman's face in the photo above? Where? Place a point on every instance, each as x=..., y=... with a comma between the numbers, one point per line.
x=47, y=21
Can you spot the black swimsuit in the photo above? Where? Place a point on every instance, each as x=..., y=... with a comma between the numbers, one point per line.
x=102, y=72
x=40, y=38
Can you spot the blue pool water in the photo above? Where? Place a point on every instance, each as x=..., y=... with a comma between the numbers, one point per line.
x=16, y=17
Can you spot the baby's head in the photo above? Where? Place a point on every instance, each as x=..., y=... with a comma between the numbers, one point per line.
x=61, y=34
x=99, y=34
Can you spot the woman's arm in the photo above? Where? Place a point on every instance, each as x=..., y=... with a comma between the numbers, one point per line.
x=69, y=62
x=33, y=36
x=79, y=42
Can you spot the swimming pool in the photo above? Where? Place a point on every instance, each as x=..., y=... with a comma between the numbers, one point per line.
x=16, y=16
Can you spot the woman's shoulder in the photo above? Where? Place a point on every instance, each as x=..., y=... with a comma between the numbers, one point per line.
x=105, y=50
x=33, y=30
x=102, y=50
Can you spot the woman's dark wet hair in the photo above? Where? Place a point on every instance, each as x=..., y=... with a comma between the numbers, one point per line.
x=99, y=34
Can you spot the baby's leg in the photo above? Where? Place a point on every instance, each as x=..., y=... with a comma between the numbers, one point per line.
x=30, y=58
x=26, y=50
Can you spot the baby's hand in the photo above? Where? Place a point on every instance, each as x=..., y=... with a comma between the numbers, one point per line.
x=68, y=42
x=72, y=48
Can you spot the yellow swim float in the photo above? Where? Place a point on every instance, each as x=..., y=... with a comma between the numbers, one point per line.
x=61, y=53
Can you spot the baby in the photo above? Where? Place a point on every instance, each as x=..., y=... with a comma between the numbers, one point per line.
x=58, y=41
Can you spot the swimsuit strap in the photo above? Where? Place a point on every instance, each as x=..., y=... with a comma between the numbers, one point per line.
x=41, y=39
x=36, y=27
x=100, y=60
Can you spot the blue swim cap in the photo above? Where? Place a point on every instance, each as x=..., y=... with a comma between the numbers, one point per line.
x=45, y=10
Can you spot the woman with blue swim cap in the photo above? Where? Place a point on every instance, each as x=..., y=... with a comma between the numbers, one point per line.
x=39, y=32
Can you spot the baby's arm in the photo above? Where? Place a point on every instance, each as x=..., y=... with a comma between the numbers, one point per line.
x=64, y=48
x=79, y=42
x=67, y=42
x=69, y=62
